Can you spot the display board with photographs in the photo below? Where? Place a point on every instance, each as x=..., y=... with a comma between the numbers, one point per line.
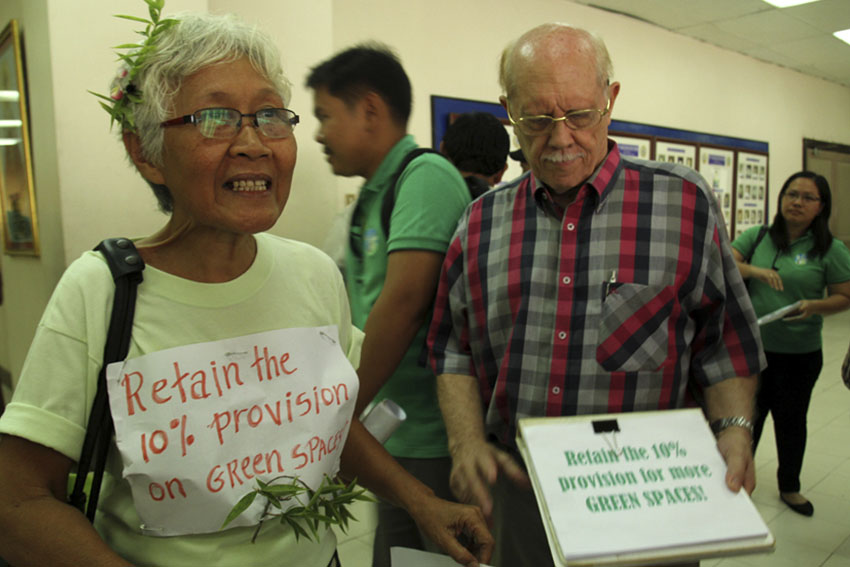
x=736, y=169
x=751, y=192
x=675, y=153
x=717, y=166
x=634, y=147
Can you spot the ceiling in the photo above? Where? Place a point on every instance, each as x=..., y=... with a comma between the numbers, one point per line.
x=798, y=38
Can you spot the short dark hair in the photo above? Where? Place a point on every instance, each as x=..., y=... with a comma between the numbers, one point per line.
x=477, y=142
x=367, y=67
x=820, y=224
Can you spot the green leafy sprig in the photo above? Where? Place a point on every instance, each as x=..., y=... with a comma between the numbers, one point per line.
x=302, y=508
x=124, y=93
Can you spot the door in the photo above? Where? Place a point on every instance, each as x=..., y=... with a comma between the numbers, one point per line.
x=833, y=162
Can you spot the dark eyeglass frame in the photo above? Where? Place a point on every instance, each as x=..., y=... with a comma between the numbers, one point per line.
x=803, y=197
x=257, y=121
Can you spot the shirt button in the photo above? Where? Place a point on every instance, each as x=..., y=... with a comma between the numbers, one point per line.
x=562, y=335
x=556, y=390
x=566, y=280
x=571, y=226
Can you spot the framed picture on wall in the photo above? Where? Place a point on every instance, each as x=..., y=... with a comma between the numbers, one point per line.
x=17, y=196
x=633, y=146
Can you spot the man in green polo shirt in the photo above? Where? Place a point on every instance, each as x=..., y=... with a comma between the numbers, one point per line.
x=362, y=99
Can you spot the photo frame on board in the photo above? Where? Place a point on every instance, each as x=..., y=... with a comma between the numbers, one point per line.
x=17, y=195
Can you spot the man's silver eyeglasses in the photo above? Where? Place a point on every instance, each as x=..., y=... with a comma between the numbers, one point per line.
x=794, y=195
x=226, y=122
x=539, y=124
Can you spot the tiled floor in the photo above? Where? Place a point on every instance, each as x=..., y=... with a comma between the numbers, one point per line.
x=824, y=539
x=820, y=541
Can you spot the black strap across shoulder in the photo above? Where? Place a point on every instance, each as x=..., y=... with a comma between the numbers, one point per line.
x=390, y=196
x=126, y=266
x=762, y=231
x=355, y=234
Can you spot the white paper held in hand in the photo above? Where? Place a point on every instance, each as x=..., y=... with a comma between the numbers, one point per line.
x=406, y=557
x=781, y=313
x=383, y=419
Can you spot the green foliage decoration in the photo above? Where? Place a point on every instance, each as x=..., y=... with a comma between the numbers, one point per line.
x=124, y=93
x=303, y=509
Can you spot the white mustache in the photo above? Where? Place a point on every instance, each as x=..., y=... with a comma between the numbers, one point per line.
x=559, y=157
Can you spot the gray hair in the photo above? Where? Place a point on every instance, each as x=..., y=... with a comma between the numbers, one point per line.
x=526, y=42
x=196, y=41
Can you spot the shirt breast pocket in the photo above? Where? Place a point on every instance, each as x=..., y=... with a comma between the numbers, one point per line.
x=634, y=328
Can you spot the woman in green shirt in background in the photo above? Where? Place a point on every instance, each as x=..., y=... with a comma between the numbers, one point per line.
x=798, y=261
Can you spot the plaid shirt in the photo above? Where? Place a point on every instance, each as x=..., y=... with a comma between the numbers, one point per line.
x=614, y=304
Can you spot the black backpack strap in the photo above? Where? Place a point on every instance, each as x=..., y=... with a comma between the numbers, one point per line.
x=759, y=238
x=126, y=266
x=390, y=196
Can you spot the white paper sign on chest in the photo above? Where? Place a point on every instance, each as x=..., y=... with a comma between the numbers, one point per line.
x=197, y=424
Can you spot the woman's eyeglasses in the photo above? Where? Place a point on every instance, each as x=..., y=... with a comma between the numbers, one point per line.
x=226, y=122
x=806, y=197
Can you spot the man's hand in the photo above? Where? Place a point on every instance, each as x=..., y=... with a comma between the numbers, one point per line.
x=735, y=397
x=476, y=464
x=475, y=468
x=735, y=444
x=458, y=529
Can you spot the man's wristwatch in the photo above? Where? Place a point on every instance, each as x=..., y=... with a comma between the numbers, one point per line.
x=724, y=423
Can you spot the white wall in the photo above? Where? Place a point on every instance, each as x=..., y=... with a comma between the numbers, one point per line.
x=102, y=195
x=302, y=31
x=85, y=189
x=451, y=48
x=28, y=281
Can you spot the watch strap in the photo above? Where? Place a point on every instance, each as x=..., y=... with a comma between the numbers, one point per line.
x=719, y=425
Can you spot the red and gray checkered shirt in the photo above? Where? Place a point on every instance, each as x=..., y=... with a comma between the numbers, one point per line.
x=615, y=304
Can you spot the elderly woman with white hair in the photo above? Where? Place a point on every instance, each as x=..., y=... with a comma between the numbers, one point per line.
x=204, y=114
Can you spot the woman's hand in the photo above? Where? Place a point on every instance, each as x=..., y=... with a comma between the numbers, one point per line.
x=37, y=525
x=828, y=306
x=458, y=529
x=806, y=309
x=766, y=276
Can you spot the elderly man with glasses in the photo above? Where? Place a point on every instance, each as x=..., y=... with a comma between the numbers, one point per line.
x=593, y=284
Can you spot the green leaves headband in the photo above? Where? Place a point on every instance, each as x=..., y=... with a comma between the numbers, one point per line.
x=123, y=92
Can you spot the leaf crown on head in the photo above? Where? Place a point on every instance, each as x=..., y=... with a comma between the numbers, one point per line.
x=124, y=94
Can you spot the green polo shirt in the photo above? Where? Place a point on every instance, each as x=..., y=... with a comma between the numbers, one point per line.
x=804, y=276
x=431, y=197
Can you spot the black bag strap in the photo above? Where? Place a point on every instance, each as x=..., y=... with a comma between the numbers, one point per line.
x=390, y=196
x=126, y=266
x=355, y=237
x=759, y=238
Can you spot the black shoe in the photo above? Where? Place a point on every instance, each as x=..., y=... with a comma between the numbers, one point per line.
x=805, y=509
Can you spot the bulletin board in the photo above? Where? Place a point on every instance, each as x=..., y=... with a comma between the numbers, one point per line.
x=736, y=168
x=751, y=175
x=717, y=166
x=444, y=110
